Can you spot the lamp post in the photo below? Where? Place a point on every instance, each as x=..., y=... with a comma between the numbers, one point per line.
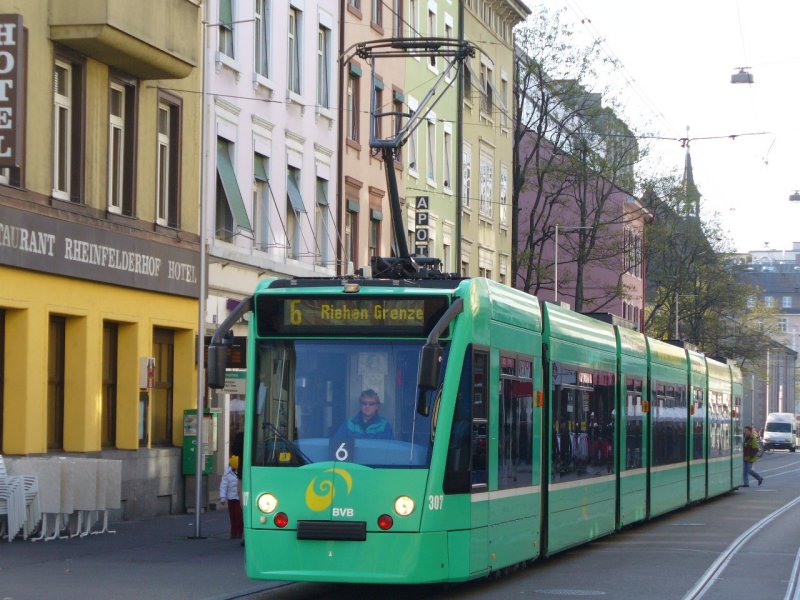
x=555, y=284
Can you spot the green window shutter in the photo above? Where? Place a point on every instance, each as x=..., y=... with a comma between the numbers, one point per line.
x=259, y=168
x=322, y=192
x=231, y=187
x=352, y=206
x=295, y=199
x=225, y=12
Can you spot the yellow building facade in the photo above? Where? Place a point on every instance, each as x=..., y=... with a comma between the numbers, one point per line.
x=99, y=235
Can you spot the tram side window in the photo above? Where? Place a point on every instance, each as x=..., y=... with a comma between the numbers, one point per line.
x=634, y=418
x=480, y=418
x=698, y=419
x=514, y=452
x=714, y=424
x=456, y=475
x=583, y=423
x=669, y=423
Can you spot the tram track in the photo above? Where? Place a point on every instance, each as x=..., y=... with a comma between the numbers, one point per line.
x=714, y=573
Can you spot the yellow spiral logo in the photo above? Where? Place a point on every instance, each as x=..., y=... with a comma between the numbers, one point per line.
x=320, y=496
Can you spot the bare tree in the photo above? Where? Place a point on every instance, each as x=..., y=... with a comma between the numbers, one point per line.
x=573, y=160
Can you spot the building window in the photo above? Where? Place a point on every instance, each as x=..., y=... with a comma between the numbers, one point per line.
x=231, y=213
x=262, y=36
x=377, y=13
x=116, y=146
x=397, y=109
x=167, y=156
x=351, y=236
x=467, y=175
x=324, y=67
x=353, y=105
x=294, y=209
x=447, y=160
x=378, y=122
x=486, y=88
x=67, y=132
x=430, y=171
x=375, y=233
x=487, y=185
x=108, y=423
x=432, y=33
x=121, y=154
x=769, y=301
x=786, y=302
x=162, y=392
x=56, y=349
x=397, y=18
x=413, y=19
x=261, y=193
x=295, y=49
x=225, y=28
x=504, y=103
x=322, y=224
x=783, y=324
x=412, y=139
x=446, y=253
x=503, y=196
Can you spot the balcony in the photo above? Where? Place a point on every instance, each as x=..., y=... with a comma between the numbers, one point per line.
x=150, y=39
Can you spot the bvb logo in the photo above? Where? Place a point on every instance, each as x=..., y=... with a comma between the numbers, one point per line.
x=320, y=501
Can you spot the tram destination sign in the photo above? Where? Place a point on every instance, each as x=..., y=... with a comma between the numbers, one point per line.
x=357, y=316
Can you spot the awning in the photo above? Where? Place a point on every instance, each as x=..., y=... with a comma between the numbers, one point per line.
x=322, y=193
x=260, y=168
x=295, y=199
x=229, y=184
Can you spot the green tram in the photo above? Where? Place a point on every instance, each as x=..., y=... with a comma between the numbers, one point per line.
x=506, y=431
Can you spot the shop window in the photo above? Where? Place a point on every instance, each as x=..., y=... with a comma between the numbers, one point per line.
x=56, y=349
x=161, y=394
x=108, y=422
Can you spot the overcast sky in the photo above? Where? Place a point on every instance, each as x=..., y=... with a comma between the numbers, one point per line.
x=678, y=58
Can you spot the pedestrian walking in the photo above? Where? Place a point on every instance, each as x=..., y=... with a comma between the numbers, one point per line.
x=229, y=493
x=750, y=456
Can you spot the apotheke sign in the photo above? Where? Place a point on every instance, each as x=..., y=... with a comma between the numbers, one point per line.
x=12, y=90
x=33, y=241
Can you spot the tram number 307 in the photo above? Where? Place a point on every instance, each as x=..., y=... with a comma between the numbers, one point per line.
x=435, y=502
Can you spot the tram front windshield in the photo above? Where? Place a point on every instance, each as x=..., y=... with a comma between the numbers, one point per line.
x=338, y=400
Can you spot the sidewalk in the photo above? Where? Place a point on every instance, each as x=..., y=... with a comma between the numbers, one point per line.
x=153, y=558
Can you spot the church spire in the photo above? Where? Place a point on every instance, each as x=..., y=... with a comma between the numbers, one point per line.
x=691, y=194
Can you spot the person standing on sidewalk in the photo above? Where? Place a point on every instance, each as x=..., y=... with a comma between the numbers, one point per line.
x=750, y=456
x=229, y=493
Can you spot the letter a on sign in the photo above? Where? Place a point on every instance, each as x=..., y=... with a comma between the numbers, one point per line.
x=423, y=203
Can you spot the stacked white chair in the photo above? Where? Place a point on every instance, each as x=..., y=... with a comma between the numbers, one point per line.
x=12, y=503
x=33, y=508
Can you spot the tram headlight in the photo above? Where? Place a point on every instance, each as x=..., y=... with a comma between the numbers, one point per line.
x=404, y=506
x=267, y=503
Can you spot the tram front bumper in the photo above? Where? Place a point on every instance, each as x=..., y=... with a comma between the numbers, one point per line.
x=381, y=558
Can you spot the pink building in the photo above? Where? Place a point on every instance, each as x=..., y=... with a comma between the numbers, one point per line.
x=563, y=216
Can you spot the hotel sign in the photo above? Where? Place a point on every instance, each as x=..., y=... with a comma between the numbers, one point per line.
x=41, y=243
x=12, y=88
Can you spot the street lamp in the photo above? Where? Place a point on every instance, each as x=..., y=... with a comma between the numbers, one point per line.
x=555, y=284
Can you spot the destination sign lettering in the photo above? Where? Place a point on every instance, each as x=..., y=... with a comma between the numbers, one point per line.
x=403, y=317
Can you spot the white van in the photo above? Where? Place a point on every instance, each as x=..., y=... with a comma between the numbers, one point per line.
x=780, y=431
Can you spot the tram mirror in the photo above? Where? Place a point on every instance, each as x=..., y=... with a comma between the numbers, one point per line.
x=217, y=363
x=430, y=359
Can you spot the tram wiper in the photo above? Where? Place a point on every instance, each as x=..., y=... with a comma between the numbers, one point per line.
x=277, y=435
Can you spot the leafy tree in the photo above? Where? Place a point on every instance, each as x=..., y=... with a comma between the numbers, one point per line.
x=691, y=282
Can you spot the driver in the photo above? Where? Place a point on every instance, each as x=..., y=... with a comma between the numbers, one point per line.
x=367, y=423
